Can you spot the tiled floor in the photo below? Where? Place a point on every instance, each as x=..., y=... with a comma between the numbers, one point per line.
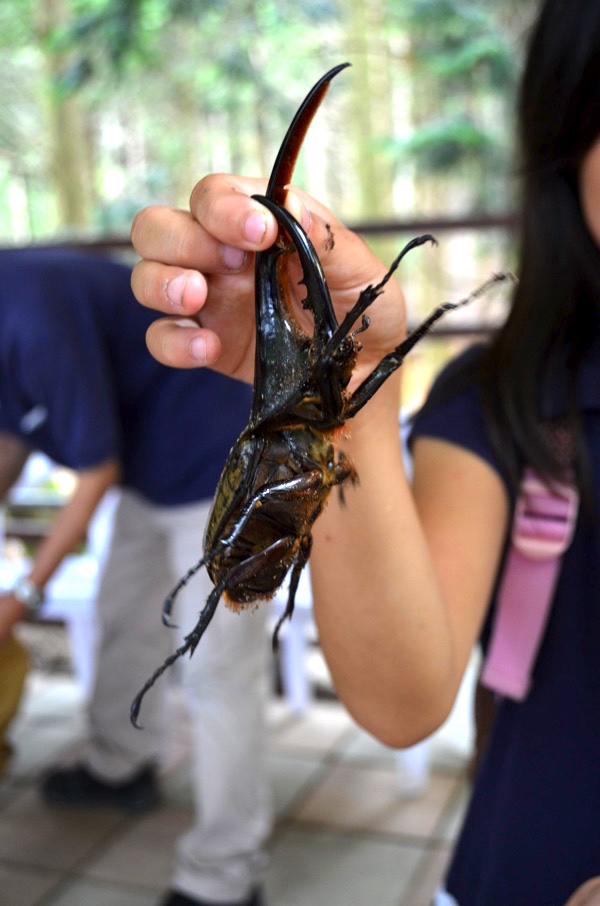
x=344, y=835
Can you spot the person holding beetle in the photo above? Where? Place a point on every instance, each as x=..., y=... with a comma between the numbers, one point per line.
x=404, y=575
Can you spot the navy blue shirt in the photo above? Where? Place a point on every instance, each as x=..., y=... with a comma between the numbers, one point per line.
x=78, y=383
x=532, y=831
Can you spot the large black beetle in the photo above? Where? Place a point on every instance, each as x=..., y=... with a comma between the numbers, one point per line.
x=283, y=466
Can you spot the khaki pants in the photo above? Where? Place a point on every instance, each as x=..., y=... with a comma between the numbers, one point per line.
x=225, y=685
x=14, y=666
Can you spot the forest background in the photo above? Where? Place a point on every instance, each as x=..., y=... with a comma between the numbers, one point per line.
x=110, y=105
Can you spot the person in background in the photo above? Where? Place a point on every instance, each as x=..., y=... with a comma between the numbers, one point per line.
x=78, y=384
x=404, y=576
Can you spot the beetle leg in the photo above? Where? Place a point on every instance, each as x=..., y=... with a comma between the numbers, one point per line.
x=367, y=297
x=238, y=572
x=290, y=489
x=261, y=560
x=344, y=469
x=301, y=561
x=170, y=599
x=394, y=359
x=189, y=644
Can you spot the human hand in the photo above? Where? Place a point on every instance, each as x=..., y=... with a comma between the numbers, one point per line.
x=197, y=267
x=11, y=611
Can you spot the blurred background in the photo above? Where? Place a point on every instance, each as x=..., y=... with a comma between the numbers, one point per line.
x=109, y=105
x=112, y=104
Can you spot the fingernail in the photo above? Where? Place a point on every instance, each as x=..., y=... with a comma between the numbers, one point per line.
x=174, y=290
x=232, y=257
x=198, y=350
x=255, y=227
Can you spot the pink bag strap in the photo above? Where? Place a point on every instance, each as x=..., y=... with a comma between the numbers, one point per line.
x=542, y=531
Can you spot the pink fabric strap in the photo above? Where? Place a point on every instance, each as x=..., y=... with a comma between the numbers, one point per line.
x=542, y=531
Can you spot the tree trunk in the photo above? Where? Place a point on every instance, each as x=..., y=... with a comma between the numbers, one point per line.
x=371, y=103
x=68, y=154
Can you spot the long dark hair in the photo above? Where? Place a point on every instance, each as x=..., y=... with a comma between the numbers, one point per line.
x=556, y=308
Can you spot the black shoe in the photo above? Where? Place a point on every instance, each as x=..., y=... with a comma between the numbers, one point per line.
x=76, y=787
x=174, y=898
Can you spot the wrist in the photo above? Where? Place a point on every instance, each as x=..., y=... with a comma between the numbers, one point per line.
x=380, y=416
x=29, y=595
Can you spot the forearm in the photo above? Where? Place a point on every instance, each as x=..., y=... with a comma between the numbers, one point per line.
x=381, y=616
x=13, y=456
x=403, y=575
x=67, y=530
x=70, y=525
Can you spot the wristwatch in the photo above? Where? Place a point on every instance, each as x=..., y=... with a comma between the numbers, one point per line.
x=28, y=594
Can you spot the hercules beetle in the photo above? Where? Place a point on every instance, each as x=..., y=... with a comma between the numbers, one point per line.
x=283, y=466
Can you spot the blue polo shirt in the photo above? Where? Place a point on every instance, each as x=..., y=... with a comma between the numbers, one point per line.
x=532, y=831
x=78, y=383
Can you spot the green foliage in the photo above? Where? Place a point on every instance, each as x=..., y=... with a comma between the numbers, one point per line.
x=465, y=65
x=107, y=35
x=161, y=91
x=487, y=57
x=443, y=144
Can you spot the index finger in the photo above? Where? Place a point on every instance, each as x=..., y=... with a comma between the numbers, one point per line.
x=223, y=205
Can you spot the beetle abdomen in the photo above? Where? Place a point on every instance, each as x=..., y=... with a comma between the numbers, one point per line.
x=267, y=501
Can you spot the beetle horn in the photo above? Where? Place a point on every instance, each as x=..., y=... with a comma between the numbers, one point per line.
x=285, y=161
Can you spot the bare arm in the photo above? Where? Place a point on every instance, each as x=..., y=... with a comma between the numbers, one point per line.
x=13, y=456
x=71, y=523
x=402, y=576
x=67, y=531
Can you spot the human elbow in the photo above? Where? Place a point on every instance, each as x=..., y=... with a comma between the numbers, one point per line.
x=405, y=722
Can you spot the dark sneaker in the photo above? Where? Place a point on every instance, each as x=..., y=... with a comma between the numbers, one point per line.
x=77, y=788
x=174, y=898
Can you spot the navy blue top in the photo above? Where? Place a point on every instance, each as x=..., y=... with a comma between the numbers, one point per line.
x=532, y=831
x=78, y=384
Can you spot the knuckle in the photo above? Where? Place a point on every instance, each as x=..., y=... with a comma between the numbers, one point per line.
x=186, y=246
x=138, y=227
x=220, y=203
x=151, y=287
x=157, y=341
x=203, y=193
x=144, y=284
